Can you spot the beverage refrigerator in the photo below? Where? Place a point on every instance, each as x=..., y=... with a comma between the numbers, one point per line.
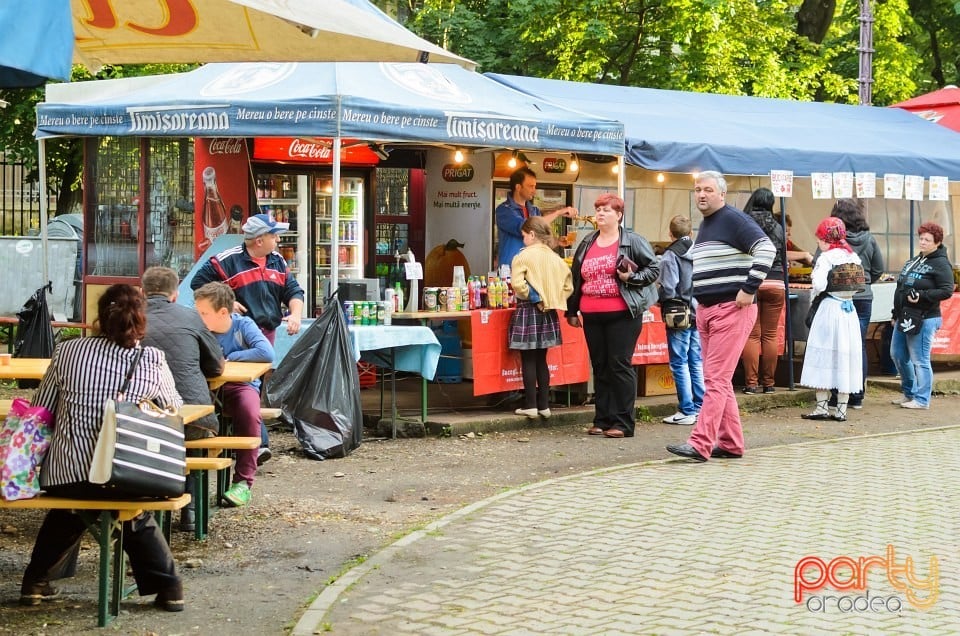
x=349, y=229
x=304, y=199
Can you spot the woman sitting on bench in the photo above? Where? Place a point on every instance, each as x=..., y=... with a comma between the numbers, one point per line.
x=83, y=374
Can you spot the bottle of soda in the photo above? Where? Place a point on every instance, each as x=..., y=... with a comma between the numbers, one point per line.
x=215, y=222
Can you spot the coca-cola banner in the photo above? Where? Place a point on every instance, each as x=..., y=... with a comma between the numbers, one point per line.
x=221, y=183
x=314, y=150
x=427, y=103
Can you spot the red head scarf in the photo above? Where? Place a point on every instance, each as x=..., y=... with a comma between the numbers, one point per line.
x=832, y=231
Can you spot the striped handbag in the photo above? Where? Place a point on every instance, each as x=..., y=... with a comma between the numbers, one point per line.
x=140, y=450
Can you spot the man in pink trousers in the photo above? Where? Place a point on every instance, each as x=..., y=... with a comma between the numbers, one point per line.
x=731, y=257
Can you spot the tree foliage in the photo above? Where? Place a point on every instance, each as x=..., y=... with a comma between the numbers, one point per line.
x=799, y=49
x=18, y=121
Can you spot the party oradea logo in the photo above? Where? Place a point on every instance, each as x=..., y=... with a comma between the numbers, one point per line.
x=855, y=576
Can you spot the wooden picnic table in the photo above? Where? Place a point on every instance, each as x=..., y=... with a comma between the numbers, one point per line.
x=189, y=412
x=34, y=368
x=239, y=372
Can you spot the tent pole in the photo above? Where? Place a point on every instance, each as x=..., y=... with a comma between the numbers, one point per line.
x=44, y=205
x=911, y=229
x=787, y=327
x=335, y=220
x=621, y=178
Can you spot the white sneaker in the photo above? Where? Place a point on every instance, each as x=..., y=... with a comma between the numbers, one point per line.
x=529, y=413
x=900, y=400
x=681, y=419
x=913, y=404
x=545, y=413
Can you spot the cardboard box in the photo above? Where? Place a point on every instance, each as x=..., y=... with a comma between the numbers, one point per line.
x=655, y=379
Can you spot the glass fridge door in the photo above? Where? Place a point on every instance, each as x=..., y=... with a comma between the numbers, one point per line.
x=349, y=230
x=284, y=196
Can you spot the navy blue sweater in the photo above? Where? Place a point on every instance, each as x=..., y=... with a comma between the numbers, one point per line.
x=731, y=254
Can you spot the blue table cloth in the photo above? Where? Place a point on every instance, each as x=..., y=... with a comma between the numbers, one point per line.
x=414, y=349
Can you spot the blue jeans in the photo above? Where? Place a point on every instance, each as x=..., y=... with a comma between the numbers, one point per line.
x=686, y=365
x=911, y=354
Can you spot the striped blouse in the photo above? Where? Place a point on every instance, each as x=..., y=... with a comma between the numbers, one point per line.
x=83, y=374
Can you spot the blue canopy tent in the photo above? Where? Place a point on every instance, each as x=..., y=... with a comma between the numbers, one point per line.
x=432, y=104
x=674, y=131
x=37, y=42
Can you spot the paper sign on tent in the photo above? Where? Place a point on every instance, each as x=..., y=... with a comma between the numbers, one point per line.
x=822, y=184
x=939, y=189
x=843, y=185
x=781, y=182
x=913, y=185
x=893, y=186
x=866, y=185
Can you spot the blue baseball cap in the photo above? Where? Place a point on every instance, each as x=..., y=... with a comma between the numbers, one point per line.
x=260, y=224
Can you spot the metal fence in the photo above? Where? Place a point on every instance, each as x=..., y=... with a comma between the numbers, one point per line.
x=19, y=199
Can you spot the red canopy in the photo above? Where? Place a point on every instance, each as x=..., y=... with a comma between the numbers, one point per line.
x=942, y=107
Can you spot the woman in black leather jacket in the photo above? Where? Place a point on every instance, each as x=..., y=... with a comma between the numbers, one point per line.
x=924, y=282
x=610, y=301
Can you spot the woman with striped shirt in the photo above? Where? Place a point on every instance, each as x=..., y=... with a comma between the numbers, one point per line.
x=83, y=374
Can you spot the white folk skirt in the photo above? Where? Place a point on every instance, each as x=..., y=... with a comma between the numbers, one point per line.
x=834, y=354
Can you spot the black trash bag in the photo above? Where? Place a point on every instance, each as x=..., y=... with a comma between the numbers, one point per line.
x=34, y=332
x=318, y=386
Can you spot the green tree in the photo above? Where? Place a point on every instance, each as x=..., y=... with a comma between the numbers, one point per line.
x=18, y=122
x=773, y=48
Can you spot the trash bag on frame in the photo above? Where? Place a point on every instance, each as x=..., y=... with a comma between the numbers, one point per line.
x=34, y=332
x=318, y=387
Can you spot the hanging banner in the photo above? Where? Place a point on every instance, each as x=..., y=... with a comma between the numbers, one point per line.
x=222, y=178
x=651, y=347
x=946, y=341
x=866, y=185
x=497, y=368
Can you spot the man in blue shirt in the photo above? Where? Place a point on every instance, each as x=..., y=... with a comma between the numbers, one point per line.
x=514, y=211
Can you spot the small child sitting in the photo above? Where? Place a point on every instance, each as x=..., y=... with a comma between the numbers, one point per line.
x=242, y=341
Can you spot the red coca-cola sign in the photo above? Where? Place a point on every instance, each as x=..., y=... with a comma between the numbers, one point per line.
x=317, y=150
x=226, y=146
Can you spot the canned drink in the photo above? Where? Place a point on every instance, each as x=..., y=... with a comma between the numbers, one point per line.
x=364, y=313
x=348, y=311
x=429, y=298
x=453, y=298
x=387, y=313
x=357, y=312
x=381, y=312
x=441, y=299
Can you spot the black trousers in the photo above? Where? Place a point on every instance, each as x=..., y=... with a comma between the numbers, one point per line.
x=55, y=552
x=611, y=339
x=536, y=378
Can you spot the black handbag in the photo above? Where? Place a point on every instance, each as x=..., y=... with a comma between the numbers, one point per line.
x=911, y=320
x=140, y=450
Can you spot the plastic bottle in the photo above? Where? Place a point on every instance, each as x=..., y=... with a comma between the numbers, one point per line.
x=471, y=298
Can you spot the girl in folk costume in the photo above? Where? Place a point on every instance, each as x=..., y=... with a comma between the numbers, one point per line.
x=833, y=358
x=542, y=283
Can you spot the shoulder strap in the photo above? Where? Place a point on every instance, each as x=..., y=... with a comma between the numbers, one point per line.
x=133, y=367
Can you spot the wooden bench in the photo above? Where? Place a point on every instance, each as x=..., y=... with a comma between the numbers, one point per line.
x=200, y=467
x=215, y=447
x=104, y=520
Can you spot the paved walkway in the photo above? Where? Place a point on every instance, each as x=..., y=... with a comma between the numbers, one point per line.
x=673, y=547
